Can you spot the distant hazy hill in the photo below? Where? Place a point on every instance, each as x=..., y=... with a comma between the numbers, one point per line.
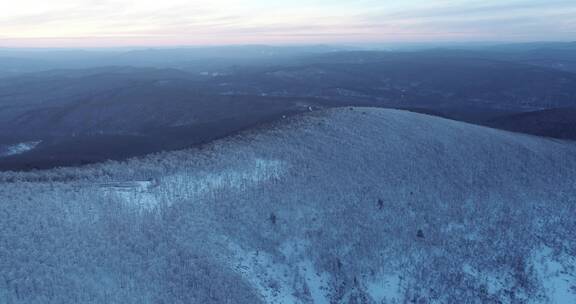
x=14, y=61
x=84, y=116
x=420, y=79
x=556, y=55
x=558, y=123
x=351, y=205
x=94, y=114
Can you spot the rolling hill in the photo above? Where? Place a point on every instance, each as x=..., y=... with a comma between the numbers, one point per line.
x=556, y=55
x=412, y=79
x=87, y=106
x=557, y=123
x=348, y=205
x=86, y=116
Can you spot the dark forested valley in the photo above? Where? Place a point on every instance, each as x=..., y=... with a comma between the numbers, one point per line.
x=61, y=108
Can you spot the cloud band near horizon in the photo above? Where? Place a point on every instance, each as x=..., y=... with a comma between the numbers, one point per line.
x=108, y=23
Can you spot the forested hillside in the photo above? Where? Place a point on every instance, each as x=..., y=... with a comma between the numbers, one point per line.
x=350, y=205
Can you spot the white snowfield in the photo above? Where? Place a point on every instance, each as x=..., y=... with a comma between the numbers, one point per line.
x=350, y=205
x=18, y=148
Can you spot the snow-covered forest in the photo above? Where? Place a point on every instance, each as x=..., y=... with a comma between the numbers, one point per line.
x=350, y=205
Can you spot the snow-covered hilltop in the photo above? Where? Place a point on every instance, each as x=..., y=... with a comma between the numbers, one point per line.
x=350, y=205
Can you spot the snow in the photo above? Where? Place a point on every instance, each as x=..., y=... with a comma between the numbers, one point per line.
x=293, y=280
x=267, y=277
x=147, y=195
x=385, y=289
x=318, y=283
x=213, y=74
x=485, y=199
x=198, y=185
x=135, y=194
x=19, y=148
x=559, y=284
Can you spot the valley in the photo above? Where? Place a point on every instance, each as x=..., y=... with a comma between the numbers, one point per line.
x=84, y=115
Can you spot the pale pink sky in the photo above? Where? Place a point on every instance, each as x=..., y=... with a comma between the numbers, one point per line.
x=105, y=23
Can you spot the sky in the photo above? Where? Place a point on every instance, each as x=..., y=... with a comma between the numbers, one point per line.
x=118, y=23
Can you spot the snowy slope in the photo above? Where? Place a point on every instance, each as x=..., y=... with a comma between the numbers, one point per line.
x=19, y=148
x=351, y=205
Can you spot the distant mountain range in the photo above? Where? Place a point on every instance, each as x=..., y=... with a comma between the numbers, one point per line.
x=145, y=101
x=21, y=61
